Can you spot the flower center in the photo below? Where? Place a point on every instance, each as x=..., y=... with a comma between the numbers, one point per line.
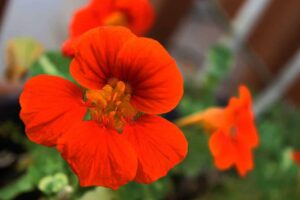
x=116, y=19
x=111, y=106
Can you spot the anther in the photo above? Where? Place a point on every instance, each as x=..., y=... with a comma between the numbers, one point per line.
x=111, y=106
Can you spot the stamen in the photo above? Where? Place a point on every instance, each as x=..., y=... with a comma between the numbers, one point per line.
x=111, y=106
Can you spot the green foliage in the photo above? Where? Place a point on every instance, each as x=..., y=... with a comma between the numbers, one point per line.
x=87, y=115
x=23, y=184
x=38, y=163
x=136, y=191
x=198, y=97
x=10, y=131
x=53, y=184
x=44, y=162
x=199, y=157
x=219, y=61
x=52, y=63
x=99, y=193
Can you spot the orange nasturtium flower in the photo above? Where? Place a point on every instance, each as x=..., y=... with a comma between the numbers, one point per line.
x=125, y=81
x=233, y=132
x=137, y=15
x=296, y=157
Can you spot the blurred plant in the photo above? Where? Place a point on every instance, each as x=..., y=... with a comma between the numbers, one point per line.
x=99, y=193
x=56, y=185
x=38, y=167
x=21, y=53
x=219, y=60
x=32, y=165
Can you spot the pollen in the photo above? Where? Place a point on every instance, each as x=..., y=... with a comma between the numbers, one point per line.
x=116, y=19
x=111, y=106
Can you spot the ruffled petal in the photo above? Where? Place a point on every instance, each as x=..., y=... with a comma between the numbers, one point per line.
x=90, y=16
x=244, y=160
x=245, y=95
x=245, y=123
x=295, y=155
x=159, y=145
x=222, y=149
x=141, y=15
x=247, y=133
x=156, y=82
x=84, y=19
x=95, y=55
x=49, y=107
x=99, y=156
x=68, y=47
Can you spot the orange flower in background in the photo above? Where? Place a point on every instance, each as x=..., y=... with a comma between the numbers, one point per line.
x=296, y=157
x=233, y=132
x=235, y=137
x=125, y=81
x=137, y=15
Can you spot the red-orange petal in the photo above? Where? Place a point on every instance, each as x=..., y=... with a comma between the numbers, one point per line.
x=114, y=52
x=99, y=156
x=247, y=133
x=90, y=16
x=68, y=47
x=222, y=150
x=49, y=106
x=83, y=20
x=156, y=82
x=296, y=156
x=140, y=13
x=244, y=160
x=245, y=95
x=159, y=145
x=245, y=122
x=95, y=55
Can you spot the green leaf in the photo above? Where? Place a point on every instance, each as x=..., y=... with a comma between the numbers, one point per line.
x=52, y=63
x=219, y=61
x=136, y=191
x=53, y=184
x=220, y=57
x=23, y=184
x=99, y=193
x=87, y=115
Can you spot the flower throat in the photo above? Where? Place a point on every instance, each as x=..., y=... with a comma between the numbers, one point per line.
x=117, y=18
x=111, y=106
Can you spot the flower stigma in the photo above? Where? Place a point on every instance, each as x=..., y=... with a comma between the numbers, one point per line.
x=111, y=106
